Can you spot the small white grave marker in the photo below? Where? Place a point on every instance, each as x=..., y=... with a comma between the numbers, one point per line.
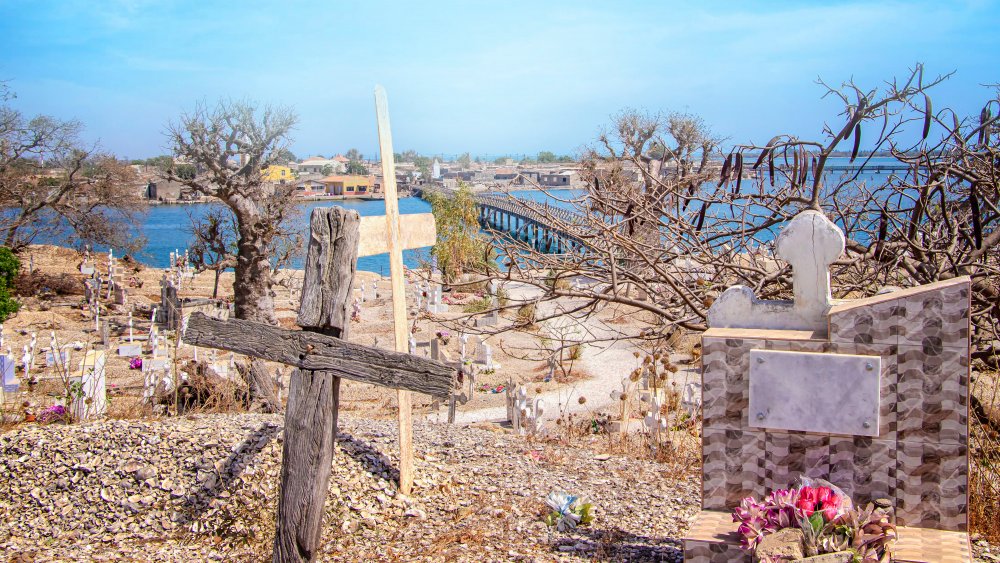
x=93, y=400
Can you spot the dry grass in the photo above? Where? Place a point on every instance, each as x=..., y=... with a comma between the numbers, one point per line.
x=678, y=450
x=984, y=456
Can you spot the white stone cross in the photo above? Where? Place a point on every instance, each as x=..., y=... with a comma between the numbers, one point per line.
x=810, y=243
x=26, y=358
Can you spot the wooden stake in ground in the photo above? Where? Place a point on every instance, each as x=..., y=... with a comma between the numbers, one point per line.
x=401, y=331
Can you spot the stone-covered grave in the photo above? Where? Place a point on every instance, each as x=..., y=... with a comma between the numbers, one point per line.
x=869, y=394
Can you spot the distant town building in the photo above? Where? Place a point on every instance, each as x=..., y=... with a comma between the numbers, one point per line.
x=309, y=187
x=277, y=174
x=436, y=170
x=561, y=179
x=348, y=185
x=318, y=165
x=167, y=190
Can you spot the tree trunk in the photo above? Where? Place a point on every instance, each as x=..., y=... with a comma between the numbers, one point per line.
x=252, y=287
x=261, y=387
x=215, y=286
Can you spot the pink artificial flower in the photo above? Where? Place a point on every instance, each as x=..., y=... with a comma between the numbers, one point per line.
x=806, y=506
x=824, y=493
x=807, y=493
x=831, y=507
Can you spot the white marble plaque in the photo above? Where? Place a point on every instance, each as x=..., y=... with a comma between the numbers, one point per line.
x=130, y=350
x=825, y=393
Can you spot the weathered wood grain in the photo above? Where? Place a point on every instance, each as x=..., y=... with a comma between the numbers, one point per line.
x=416, y=230
x=261, y=387
x=319, y=352
x=310, y=433
x=314, y=399
x=400, y=325
x=331, y=262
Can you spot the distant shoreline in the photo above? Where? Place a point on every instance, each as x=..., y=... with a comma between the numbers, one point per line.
x=296, y=198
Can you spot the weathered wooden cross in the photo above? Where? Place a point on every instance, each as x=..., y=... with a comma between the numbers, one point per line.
x=322, y=355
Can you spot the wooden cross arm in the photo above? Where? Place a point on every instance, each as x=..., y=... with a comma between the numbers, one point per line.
x=415, y=231
x=318, y=352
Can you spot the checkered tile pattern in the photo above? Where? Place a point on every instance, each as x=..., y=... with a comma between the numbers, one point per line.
x=725, y=381
x=733, y=467
x=932, y=485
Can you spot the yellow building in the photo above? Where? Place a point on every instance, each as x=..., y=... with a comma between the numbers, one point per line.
x=348, y=185
x=277, y=174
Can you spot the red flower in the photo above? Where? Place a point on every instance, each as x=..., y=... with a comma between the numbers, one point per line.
x=824, y=493
x=806, y=505
x=831, y=507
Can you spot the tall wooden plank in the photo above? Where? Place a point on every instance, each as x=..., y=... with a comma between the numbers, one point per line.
x=307, y=455
x=396, y=282
x=314, y=396
x=331, y=263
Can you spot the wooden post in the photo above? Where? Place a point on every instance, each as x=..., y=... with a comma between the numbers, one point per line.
x=314, y=396
x=396, y=278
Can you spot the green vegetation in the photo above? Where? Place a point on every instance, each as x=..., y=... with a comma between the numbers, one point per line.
x=9, y=268
x=356, y=167
x=481, y=305
x=166, y=165
x=547, y=157
x=460, y=246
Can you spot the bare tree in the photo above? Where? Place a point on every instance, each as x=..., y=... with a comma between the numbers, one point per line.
x=51, y=186
x=231, y=144
x=214, y=245
x=664, y=229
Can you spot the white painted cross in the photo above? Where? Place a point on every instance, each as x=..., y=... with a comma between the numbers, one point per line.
x=418, y=232
x=810, y=243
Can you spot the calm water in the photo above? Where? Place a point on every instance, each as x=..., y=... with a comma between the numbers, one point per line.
x=166, y=229
x=166, y=226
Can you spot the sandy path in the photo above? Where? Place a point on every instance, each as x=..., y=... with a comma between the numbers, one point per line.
x=609, y=360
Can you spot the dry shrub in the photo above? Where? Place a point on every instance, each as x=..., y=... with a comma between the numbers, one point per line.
x=984, y=455
x=526, y=314
x=680, y=454
x=43, y=284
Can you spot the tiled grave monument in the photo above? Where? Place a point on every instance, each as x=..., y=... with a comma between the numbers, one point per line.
x=884, y=381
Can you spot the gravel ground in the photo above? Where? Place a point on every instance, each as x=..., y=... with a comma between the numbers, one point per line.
x=204, y=488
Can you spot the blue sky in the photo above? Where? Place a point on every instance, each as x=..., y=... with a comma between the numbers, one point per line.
x=490, y=78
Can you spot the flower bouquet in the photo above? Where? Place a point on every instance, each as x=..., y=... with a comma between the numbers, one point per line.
x=568, y=511
x=55, y=413
x=825, y=519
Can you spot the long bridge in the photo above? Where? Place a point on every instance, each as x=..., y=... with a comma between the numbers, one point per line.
x=540, y=225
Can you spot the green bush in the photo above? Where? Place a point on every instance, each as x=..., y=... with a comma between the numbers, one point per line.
x=481, y=305
x=10, y=266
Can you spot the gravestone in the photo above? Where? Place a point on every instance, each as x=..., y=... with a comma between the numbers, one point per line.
x=895, y=368
x=92, y=399
x=131, y=348
x=57, y=358
x=121, y=295
x=8, y=375
x=434, y=303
